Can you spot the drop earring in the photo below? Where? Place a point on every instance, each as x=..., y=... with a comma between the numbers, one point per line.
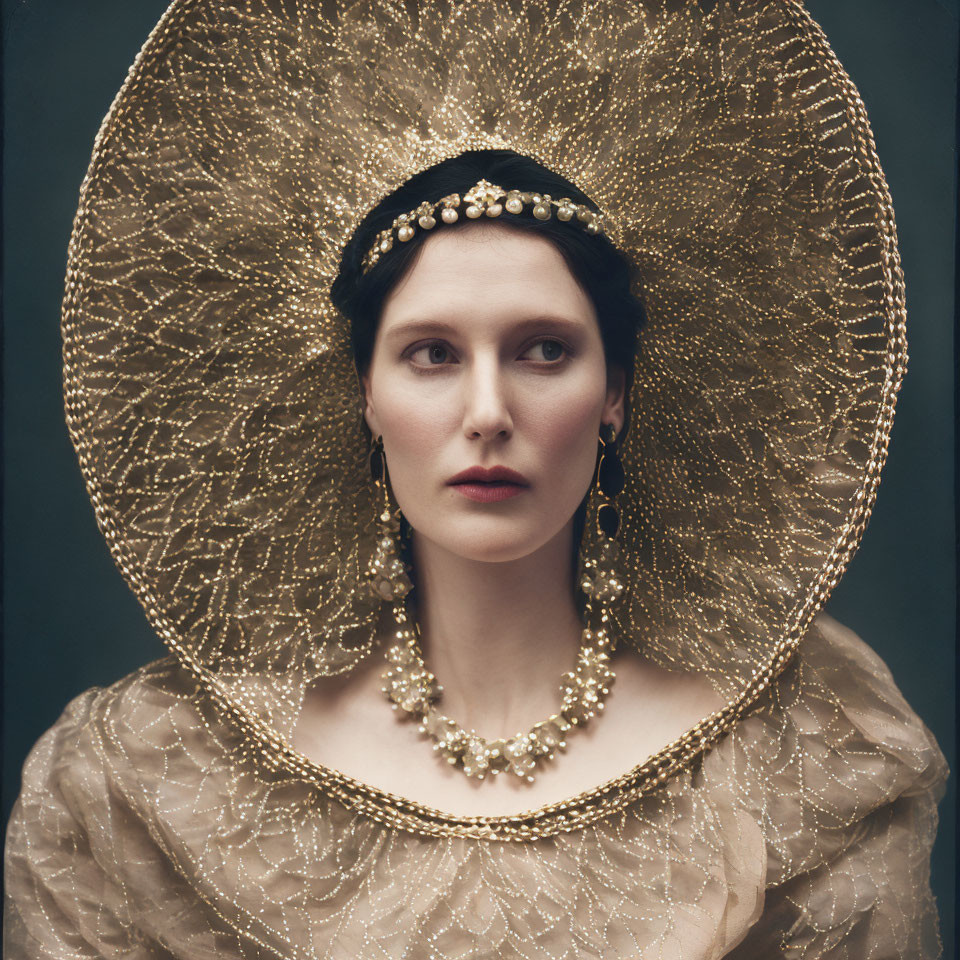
x=610, y=479
x=386, y=571
x=603, y=581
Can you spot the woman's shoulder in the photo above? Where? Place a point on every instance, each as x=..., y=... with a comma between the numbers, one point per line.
x=842, y=694
x=72, y=756
x=835, y=750
x=843, y=778
x=134, y=783
x=828, y=641
x=842, y=669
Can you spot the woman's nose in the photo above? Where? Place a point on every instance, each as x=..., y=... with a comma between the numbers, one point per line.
x=487, y=401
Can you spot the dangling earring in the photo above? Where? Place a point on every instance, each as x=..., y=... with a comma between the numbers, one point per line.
x=610, y=478
x=606, y=583
x=602, y=582
x=386, y=571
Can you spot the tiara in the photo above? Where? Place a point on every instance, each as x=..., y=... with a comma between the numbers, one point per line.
x=484, y=197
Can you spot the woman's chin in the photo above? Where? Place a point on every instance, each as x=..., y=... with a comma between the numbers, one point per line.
x=501, y=546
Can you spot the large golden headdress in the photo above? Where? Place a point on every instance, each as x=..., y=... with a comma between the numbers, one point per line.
x=210, y=387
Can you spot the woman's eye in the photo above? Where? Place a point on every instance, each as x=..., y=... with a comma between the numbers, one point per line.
x=435, y=353
x=553, y=350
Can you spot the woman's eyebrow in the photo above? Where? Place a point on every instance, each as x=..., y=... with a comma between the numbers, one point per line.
x=410, y=328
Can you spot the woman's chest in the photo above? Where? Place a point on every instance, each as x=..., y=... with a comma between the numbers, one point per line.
x=365, y=740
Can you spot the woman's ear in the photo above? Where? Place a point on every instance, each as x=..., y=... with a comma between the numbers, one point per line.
x=369, y=414
x=613, y=409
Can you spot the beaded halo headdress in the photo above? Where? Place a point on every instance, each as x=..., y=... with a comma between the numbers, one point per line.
x=211, y=393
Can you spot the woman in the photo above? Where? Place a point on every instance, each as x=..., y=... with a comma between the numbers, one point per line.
x=495, y=563
x=754, y=784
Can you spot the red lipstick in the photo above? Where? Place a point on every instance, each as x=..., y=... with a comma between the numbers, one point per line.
x=486, y=485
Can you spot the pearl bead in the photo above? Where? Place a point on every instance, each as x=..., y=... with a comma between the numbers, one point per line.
x=541, y=211
x=473, y=211
x=494, y=210
x=515, y=205
x=427, y=222
x=449, y=215
x=405, y=233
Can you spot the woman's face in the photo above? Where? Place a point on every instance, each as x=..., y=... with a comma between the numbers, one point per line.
x=488, y=353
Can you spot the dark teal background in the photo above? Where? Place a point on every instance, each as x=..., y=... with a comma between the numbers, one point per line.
x=70, y=621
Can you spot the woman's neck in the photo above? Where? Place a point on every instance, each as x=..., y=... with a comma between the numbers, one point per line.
x=498, y=636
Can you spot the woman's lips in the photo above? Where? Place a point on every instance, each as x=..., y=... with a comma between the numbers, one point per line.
x=488, y=492
x=488, y=484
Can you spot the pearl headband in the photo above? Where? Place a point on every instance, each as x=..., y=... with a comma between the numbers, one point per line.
x=484, y=197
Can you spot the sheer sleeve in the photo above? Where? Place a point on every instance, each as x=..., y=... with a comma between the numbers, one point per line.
x=856, y=886
x=63, y=899
x=872, y=901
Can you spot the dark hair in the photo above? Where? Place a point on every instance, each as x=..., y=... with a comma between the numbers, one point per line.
x=603, y=272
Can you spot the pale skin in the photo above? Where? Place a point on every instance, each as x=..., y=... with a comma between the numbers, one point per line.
x=489, y=353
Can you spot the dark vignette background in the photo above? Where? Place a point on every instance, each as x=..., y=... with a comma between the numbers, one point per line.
x=71, y=623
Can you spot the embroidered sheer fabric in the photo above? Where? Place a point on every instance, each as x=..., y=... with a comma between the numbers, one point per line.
x=806, y=832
